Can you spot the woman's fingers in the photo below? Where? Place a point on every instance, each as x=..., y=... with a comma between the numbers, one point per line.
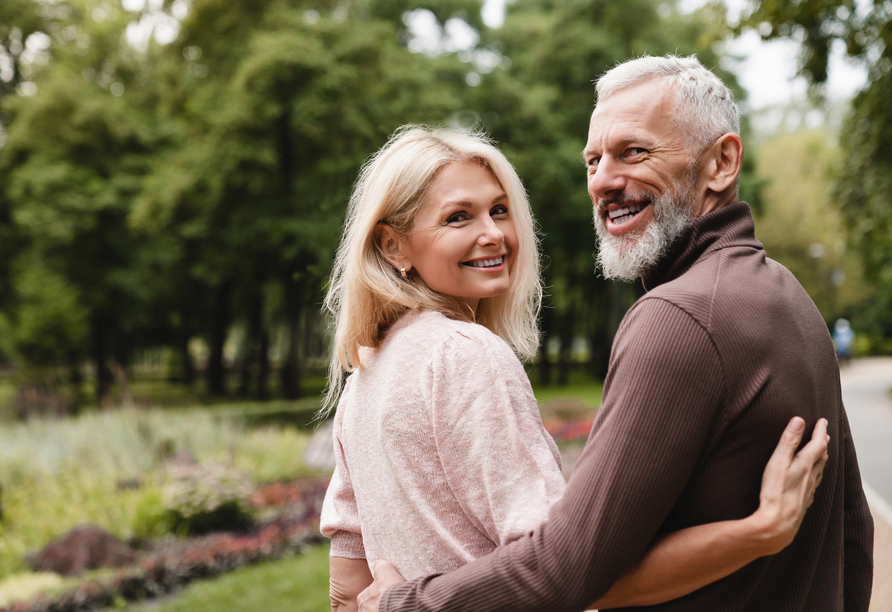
x=815, y=452
x=790, y=479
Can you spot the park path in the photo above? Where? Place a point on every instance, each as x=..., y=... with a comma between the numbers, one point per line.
x=866, y=384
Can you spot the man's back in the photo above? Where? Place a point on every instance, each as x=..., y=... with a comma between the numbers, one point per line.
x=774, y=358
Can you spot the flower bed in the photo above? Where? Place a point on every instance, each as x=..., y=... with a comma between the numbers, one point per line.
x=568, y=420
x=173, y=563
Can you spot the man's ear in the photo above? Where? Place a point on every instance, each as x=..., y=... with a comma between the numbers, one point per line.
x=391, y=245
x=724, y=162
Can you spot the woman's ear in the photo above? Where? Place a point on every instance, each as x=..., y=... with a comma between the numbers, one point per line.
x=391, y=245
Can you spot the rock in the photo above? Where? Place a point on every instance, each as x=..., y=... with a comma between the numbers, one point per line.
x=84, y=547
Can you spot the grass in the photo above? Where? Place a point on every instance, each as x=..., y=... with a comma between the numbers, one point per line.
x=580, y=386
x=294, y=584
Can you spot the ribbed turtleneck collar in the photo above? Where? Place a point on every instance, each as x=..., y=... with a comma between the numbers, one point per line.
x=731, y=225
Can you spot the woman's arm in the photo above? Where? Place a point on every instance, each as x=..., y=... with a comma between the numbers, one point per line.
x=686, y=560
x=348, y=578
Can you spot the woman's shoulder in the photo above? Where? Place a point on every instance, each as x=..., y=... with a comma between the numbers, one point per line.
x=434, y=329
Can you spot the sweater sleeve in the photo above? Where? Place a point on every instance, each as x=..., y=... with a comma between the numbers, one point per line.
x=858, y=525
x=339, y=519
x=501, y=465
x=662, y=397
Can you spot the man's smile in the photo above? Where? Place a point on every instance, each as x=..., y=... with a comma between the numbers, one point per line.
x=626, y=213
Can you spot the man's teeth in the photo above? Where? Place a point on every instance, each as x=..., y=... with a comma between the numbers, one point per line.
x=619, y=216
x=486, y=263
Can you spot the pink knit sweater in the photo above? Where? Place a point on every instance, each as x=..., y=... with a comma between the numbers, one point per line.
x=441, y=453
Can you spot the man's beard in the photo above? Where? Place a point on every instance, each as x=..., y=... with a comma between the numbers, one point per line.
x=629, y=256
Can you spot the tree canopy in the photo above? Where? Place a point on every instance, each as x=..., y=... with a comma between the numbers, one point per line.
x=177, y=172
x=863, y=174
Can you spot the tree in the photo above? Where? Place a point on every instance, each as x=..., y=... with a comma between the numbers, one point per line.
x=862, y=182
x=800, y=224
x=270, y=131
x=73, y=160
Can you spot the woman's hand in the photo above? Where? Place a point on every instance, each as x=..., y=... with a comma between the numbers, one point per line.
x=789, y=483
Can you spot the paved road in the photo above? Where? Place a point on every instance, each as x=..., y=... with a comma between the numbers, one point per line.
x=865, y=390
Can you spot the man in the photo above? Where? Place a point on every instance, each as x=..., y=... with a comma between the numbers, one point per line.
x=719, y=354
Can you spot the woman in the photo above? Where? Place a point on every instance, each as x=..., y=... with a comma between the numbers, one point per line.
x=441, y=453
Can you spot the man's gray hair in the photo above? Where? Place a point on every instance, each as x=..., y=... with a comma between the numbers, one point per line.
x=704, y=106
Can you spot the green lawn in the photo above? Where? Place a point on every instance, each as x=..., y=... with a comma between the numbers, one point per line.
x=587, y=390
x=295, y=584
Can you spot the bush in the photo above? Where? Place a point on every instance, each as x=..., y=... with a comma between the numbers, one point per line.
x=204, y=498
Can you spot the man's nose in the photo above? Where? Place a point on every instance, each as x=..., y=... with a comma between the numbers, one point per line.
x=606, y=179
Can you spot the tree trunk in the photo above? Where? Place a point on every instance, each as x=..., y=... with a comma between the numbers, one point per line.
x=187, y=372
x=263, y=366
x=100, y=356
x=290, y=372
x=219, y=327
x=253, y=334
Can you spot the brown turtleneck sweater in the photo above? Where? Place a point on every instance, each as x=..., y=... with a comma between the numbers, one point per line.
x=706, y=370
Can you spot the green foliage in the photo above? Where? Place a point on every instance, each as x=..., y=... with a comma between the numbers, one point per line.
x=49, y=322
x=863, y=177
x=862, y=194
x=205, y=498
x=800, y=227
x=864, y=29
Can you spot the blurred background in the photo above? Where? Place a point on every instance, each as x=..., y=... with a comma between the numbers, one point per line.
x=173, y=182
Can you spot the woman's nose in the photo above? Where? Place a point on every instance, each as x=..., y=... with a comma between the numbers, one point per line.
x=491, y=233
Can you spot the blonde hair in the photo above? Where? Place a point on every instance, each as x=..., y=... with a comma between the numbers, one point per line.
x=366, y=294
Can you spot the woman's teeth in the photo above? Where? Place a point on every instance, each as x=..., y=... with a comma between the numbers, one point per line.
x=486, y=263
x=626, y=213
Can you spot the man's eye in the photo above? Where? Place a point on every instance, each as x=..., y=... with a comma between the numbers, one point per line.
x=636, y=151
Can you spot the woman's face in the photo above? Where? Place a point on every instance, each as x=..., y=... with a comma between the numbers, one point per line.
x=464, y=237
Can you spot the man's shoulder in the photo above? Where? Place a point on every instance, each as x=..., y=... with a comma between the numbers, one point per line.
x=727, y=281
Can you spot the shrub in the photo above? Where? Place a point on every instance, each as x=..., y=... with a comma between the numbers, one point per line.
x=205, y=498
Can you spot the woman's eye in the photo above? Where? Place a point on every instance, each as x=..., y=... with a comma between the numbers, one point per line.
x=499, y=209
x=457, y=217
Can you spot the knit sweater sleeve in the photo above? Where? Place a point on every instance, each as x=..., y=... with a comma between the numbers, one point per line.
x=501, y=465
x=661, y=400
x=858, y=524
x=339, y=519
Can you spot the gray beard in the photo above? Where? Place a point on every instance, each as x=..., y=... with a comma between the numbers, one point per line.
x=628, y=257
